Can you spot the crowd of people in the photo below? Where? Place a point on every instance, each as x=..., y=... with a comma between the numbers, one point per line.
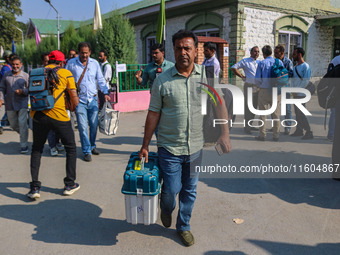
x=174, y=113
x=81, y=77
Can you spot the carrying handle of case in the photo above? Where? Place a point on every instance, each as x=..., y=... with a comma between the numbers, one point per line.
x=142, y=164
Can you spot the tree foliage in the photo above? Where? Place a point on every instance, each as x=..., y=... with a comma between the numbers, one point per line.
x=32, y=54
x=70, y=39
x=118, y=38
x=8, y=10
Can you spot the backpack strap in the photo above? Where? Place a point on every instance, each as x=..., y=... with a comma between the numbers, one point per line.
x=298, y=73
x=56, y=99
x=82, y=75
x=104, y=66
x=10, y=68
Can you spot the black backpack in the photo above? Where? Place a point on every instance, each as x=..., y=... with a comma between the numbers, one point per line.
x=328, y=89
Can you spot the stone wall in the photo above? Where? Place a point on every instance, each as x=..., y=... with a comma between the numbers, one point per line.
x=139, y=44
x=319, y=49
x=260, y=31
x=175, y=24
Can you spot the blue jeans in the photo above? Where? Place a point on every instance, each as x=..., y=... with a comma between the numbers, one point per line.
x=179, y=176
x=288, y=114
x=331, y=124
x=87, y=113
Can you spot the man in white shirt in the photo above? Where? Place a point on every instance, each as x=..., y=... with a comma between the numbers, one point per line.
x=249, y=66
x=107, y=72
x=210, y=57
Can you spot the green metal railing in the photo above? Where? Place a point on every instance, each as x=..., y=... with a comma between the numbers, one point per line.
x=230, y=73
x=127, y=80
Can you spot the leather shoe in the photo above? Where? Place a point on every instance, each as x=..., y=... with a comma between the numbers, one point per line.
x=166, y=220
x=297, y=134
x=307, y=136
x=87, y=158
x=186, y=237
x=260, y=138
x=95, y=151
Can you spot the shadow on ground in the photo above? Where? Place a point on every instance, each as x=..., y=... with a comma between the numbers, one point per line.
x=295, y=188
x=287, y=248
x=70, y=221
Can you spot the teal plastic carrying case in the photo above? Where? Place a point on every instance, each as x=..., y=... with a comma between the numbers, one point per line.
x=139, y=181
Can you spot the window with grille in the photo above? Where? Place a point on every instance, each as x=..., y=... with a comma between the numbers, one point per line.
x=290, y=40
x=150, y=41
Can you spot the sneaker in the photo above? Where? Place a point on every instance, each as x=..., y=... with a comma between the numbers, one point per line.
x=24, y=150
x=95, y=151
x=307, y=136
x=34, y=193
x=60, y=147
x=260, y=138
x=69, y=190
x=1, y=130
x=54, y=151
x=87, y=158
x=275, y=139
x=166, y=220
x=186, y=237
x=287, y=131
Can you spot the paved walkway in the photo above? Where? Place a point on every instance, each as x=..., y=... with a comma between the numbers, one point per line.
x=281, y=216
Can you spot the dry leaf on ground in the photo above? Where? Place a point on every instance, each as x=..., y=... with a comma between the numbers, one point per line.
x=238, y=221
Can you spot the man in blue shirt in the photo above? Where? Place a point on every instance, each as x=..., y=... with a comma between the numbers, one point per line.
x=265, y=97
x=301, y=77
x=210, y=57
x=279, y=52
x=87, y=72
x=249, y=66
x=156, y=67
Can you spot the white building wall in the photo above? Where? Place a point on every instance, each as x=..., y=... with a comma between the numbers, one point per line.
x=175, y=24
x=172, y=26
x=260, y=31
x=319, y=49
x=139, y=45
x=225, y=13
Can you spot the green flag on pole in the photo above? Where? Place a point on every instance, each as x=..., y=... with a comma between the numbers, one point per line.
x=160, y=36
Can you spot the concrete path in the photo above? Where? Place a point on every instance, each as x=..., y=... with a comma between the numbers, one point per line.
x=281, y=215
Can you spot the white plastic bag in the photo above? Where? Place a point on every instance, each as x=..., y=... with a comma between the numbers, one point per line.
x=108, y=120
